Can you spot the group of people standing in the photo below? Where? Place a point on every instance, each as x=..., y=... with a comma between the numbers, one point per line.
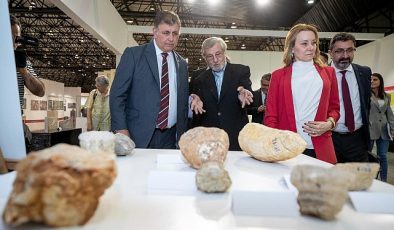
x=329, y=106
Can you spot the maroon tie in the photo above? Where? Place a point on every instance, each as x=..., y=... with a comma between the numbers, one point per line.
x=347, y=103
x=162, y=119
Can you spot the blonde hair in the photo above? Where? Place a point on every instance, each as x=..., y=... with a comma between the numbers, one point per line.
x=288, y=56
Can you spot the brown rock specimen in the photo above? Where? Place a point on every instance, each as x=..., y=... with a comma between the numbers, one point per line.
x=268, y=144
x=212, y=177
x=202, y=144
x=364, y=173
x=321, y=192
x=59, y=186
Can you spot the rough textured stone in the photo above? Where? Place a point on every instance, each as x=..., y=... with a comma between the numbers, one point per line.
x=212, y=177
x=322, y=192
x=123, y=145
x=97, y=141
x=364, y=173
x=59, y=186
x=268, y=144
x=202, y=144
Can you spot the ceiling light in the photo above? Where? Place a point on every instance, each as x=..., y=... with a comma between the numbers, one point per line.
x=214, y=2
x=130, y=21
x=243, y=46
x=262, y=2
x=311, y=1
x=152, y=8
x=191, y=1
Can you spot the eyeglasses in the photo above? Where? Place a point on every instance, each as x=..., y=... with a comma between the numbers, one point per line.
x=343, y=51
x=217, y=55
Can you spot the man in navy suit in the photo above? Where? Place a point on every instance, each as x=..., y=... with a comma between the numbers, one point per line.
x=138, y=97
x=259, y=100
x=351, y=135
x=225, y=90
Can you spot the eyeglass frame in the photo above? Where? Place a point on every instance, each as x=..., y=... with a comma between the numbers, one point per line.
x=343, y=51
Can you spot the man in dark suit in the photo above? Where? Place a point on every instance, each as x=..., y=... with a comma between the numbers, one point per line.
x=351, y=135
x=149, y=95
x=259, y=98
x=225, y=89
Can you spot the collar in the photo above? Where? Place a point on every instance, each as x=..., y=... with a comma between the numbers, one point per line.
x=158, y=50
x=349, y=68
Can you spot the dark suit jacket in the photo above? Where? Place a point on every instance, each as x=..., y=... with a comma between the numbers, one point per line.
x=224, y=112
x=257, y=102
x=135, y=93
x=363, y=76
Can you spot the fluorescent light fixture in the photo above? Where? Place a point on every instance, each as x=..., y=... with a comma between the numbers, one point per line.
x=214, y=2
x=262, y=2
x=311, y=1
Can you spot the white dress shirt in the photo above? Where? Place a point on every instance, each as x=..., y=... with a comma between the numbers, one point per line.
x=354, y=97
x=172, y=114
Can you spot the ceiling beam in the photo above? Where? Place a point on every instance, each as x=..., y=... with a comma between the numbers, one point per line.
x=250, y=33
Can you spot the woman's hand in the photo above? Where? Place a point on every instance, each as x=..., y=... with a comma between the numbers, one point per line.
x=317, y=128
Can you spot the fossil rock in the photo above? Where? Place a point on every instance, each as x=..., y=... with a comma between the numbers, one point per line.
x=268, y=144
x=364, y=173
x=59, y=186
x=212, y=177
x=202, y=144
x=123, y=145
x=321, y=192
x=97, y=141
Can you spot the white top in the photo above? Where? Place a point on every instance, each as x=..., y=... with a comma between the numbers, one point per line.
x=354, y=96
x=171, y=81
x=306, y=88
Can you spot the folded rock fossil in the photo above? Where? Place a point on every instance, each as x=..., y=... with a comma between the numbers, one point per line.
x=202, y=144
x=322, y=192
x=364, y=173
x=268, y=144
x=212, y=177
x=59, y=186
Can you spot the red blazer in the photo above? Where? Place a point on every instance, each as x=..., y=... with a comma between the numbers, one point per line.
x=279, y=111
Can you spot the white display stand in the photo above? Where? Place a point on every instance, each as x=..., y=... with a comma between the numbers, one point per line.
x=130, y=203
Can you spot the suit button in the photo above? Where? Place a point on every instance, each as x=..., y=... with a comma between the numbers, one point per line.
x=380, y=112
x=219, y=113
x=380, y=120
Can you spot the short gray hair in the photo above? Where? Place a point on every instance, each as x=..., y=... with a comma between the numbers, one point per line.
x=102, y=80
x=266, y=77
x=210, y=42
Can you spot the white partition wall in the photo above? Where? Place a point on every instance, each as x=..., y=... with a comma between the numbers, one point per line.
x=379, y=56
x=12, y=142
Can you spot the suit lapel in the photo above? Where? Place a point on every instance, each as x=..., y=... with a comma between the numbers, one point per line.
x=150, y=55
x=228, y=72
x=324, y=94
x=210, y=79
x=177, y=69
x=288, y=100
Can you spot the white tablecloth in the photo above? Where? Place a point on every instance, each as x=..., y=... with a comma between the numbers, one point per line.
x=129, y=204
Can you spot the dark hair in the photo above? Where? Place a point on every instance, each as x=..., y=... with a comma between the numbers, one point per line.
x=381, y=93
x=167, y=17
x=343, y=36
x=324, y=55
x=14, y=20
x=266, y=77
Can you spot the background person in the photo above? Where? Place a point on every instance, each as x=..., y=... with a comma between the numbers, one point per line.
x=351, y=136
x=260, y=100
x=303, y=95
x=381, y=122
x=25, y=75
x=225, y=89
x=97, y=106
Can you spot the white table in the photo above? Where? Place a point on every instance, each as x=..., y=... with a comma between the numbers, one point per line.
x=128, y=203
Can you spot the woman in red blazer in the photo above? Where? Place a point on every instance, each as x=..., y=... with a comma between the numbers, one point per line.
x=303, y=95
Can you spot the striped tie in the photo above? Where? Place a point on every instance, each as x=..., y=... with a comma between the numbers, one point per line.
x=162, y=119
x=347, y=103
